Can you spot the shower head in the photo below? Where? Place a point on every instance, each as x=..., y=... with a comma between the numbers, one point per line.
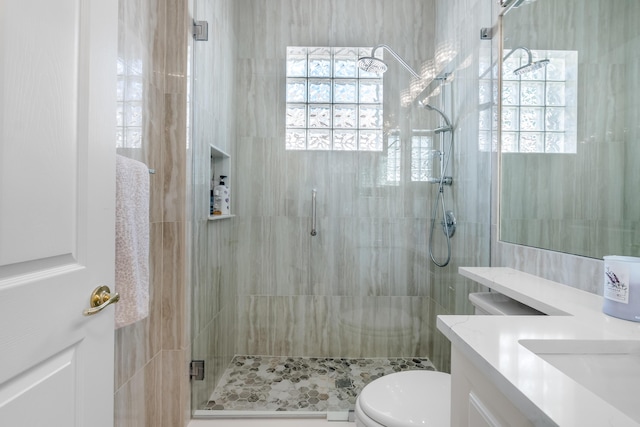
x=530, y=66
x=371, y=64
x=443, y=115
x=378, y=66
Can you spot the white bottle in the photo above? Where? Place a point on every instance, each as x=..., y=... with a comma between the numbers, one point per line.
x=222, y=191
x=212, y=204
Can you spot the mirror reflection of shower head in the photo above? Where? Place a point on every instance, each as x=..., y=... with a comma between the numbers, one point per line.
x=378, y=66
x=530, y=66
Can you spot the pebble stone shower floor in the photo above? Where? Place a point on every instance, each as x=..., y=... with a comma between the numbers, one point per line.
x=266, y=383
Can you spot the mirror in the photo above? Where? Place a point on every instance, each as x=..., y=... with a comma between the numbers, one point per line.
x=570, y=130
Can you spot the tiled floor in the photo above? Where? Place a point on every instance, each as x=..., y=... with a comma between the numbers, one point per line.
x=265, y=383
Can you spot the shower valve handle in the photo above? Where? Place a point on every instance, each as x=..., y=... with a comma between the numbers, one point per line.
x=313, y=212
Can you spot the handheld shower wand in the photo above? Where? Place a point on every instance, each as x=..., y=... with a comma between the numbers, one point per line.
x=448, y=127
x=448, y=219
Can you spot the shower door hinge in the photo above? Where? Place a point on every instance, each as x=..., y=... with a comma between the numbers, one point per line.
x=201, y=31
x=196, y=370
x=486, y=33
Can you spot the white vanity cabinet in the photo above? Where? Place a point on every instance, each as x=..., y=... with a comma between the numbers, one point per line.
x=501, y=374
x=475, y=400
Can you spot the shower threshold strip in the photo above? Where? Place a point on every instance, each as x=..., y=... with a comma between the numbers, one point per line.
x=330, y=416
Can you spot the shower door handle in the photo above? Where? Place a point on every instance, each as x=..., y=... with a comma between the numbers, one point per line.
x=313, y=212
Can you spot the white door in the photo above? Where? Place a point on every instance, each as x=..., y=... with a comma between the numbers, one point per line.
x=57, y=163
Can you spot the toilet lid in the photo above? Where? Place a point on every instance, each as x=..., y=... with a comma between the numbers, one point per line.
x=408, y=399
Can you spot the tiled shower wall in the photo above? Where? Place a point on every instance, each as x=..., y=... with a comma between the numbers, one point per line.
x=151, y=356
x=360, y=287
x=364, y=286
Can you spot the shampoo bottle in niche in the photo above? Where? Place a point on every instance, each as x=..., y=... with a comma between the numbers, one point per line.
x=212, y=201
x=221, y=194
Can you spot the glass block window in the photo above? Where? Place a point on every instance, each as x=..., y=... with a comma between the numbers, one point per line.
x=423, y=156
x=539, y=108
x=330, y=103
x=129, y=106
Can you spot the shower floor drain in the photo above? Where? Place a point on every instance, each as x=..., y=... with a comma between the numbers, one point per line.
x=344, y=383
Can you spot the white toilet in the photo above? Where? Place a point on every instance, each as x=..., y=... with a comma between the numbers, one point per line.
x=422, y=398
x=405, y=399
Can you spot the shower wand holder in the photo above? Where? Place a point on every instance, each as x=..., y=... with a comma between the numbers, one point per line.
x=447, y=180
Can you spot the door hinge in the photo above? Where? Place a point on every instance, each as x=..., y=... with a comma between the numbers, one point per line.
x=196, y=370
x=201, y=30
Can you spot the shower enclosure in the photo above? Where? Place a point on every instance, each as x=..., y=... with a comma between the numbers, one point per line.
x=364, y=286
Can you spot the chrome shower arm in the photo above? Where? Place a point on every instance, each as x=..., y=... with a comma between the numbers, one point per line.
x=530, y=66
x=529, y=59
x=397, y=57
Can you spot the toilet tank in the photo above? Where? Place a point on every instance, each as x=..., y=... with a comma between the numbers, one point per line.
x=494, y=303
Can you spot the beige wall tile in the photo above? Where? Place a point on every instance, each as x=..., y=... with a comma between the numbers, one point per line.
x=139, y=398
x=174, y=292
x=138, y=401
x=175, y=410
x=174, y=157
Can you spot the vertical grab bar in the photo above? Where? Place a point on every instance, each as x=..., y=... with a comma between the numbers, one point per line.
x=313, y=212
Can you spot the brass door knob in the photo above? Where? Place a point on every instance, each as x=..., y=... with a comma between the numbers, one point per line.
x=100, y=298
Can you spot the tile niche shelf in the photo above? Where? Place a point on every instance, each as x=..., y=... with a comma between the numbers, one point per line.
x=220, y=165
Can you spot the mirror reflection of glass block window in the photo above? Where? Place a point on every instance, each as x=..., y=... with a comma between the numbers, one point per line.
x=330, y=103
x=539, y=108
x=392, y=161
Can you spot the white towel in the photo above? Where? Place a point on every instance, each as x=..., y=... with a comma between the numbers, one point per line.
x=132, y=240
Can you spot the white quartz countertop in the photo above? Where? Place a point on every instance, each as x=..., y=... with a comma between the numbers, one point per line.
x=494, y=344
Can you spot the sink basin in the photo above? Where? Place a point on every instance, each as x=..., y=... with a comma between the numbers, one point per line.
x=608, y=368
